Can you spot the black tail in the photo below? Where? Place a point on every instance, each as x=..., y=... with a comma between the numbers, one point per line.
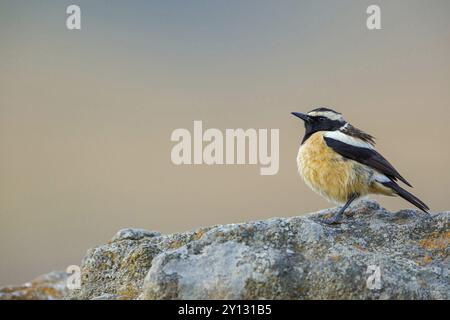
x=407, y=196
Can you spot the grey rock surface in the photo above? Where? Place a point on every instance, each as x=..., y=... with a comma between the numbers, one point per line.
x=116, y=270
x=372, y=254
x=50, y=286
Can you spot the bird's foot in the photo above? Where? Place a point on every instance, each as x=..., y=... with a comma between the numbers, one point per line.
x=349, y=214
x=334, y=219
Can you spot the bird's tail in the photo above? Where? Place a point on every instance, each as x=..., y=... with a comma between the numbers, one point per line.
x=407, y=196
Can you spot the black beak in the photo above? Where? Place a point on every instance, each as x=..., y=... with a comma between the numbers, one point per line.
x=302, y=116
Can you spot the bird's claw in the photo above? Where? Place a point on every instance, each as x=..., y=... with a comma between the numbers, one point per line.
x=335, y=219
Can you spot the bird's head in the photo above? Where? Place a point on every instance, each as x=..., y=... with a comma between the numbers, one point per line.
x=320, y=119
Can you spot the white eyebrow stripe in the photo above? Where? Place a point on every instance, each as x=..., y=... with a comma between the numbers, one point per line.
x=327, y=114
x=342, y=137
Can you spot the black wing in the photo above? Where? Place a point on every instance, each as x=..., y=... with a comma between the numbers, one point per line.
x=366, y=156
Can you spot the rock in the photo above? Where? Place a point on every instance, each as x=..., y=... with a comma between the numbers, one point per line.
x=134, y=234
x=107, y=297
x=374, y=254
x=116, y=270
x=51, y=286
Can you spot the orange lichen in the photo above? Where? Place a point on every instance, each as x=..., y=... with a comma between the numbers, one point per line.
x=198, y=234
x=426, y=260
x=359, y=247
x=335, y=258
x=436, y=241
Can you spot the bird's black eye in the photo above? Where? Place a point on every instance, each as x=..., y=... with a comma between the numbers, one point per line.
x=321, y=119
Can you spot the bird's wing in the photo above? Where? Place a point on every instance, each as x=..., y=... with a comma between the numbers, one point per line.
x=365, y=154
x=350, y=130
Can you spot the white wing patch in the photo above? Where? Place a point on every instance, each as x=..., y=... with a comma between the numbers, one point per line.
x=342, y=137
x=381, y=178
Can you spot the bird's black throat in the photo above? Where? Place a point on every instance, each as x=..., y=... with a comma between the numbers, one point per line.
x=316, y=124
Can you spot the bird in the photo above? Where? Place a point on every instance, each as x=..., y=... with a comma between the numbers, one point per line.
x=339, y=162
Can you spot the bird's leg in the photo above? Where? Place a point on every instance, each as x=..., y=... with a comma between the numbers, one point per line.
x=336, y=218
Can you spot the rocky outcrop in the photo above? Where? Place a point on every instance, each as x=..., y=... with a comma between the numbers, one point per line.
x=51, y=286
x=374, y=254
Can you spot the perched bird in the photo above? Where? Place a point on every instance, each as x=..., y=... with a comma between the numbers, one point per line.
x=339, y=162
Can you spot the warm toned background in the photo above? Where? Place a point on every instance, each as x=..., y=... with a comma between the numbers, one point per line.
x=85, y=117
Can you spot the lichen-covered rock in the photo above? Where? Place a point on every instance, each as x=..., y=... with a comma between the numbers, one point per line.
x=116, y=270
x=374, y=254
x=51, y=286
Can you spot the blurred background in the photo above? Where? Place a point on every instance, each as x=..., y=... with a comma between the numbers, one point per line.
x=86, y=116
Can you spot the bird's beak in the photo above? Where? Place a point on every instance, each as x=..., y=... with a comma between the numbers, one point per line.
x=302, y=116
